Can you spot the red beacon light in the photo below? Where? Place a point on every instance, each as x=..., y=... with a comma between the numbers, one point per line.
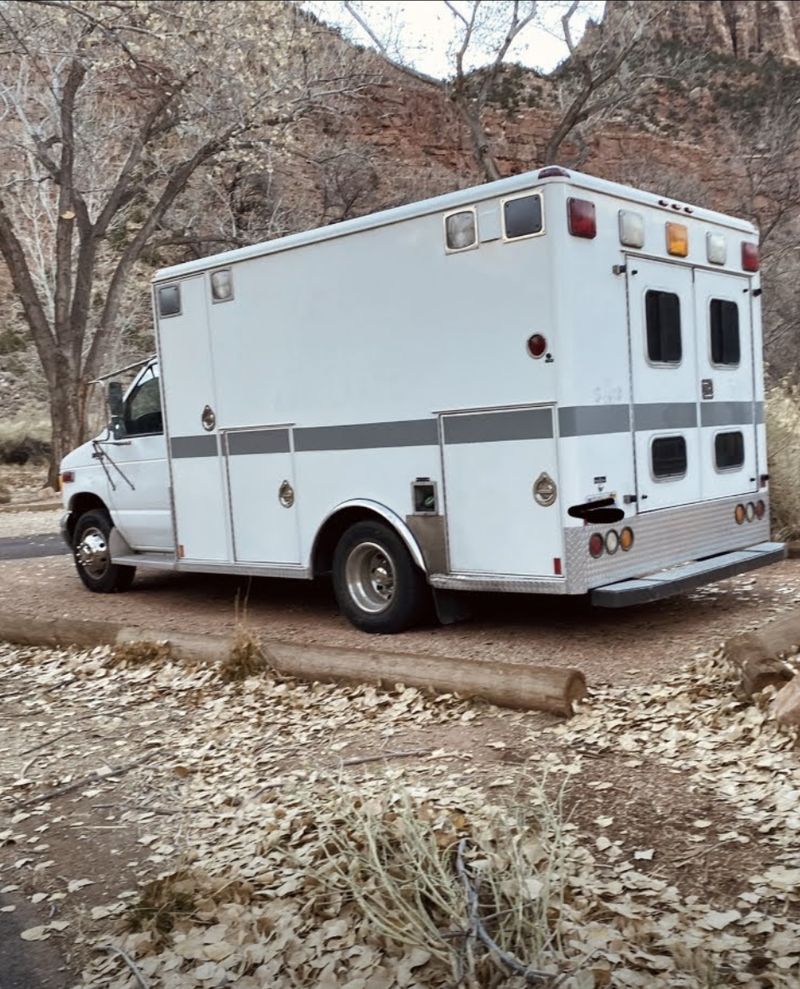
x=552, y=172
x=749, y=256
x=581, y=218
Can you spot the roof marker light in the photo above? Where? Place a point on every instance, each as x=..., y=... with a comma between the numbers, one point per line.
x=631, y=228
x=749, y=256
x=553, y=171
x=581, y=218
x=677, y=239
x=716, y=248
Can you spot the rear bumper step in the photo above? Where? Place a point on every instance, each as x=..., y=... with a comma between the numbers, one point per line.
x=676, y=580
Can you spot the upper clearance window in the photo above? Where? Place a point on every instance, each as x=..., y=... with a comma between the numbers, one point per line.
x=729, y=450
x=522, y=217
x=460, y=230
x=169, y=300
x=143, y=407
x=663, y=318
x=668, y=455
x=724, y=323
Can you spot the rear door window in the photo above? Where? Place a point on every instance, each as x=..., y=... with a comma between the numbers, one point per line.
x=729, y=450
x=724, y=327
x=663, y=327
x=668, y=455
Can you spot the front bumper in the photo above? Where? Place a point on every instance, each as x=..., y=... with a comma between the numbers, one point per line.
x=665, y=583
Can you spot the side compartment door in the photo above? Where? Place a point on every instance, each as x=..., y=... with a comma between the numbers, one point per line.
x=664, y=384
x=727, y=390
x=261, y=481
x=492, y=459
x=198, y=488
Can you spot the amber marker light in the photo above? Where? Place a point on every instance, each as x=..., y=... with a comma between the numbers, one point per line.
x=677, y=239
x=626, y=539
x=740, y=514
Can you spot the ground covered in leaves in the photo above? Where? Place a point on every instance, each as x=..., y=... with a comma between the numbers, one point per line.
x=173, y=828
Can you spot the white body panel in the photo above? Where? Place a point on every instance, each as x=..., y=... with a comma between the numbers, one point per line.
x=349, y=362
x=139, y=498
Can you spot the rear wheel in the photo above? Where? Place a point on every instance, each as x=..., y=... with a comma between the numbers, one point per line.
x=90, y=548
x=378, y=586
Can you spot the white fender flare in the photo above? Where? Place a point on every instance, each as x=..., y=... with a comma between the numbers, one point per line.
x=394, y=520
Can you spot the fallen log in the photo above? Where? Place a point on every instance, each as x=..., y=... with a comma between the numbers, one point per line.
x=758, y=656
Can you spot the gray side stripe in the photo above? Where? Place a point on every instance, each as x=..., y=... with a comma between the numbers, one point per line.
x=590, y=420
x=759, y=413
x=727, y=413
x=367, y=435
x=193, y=446
x=488, y=427
x=665, y=415
x=258, y=441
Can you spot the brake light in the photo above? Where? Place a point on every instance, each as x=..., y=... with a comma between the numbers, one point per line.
x=596, y=545
x=740, y=514
x=581, y=218
x=749, y=257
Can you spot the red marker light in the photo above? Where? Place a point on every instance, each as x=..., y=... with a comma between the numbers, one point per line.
x=596, y=545
x=537, y=345
x=749, y=257
x=581, y=218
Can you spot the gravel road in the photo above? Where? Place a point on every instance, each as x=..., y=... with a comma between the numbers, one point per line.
x=633, y=643
x=28, y=523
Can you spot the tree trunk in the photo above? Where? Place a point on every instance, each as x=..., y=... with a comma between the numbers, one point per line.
x=68, y=418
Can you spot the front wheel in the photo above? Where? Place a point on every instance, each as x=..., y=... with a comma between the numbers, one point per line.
x=378, y=586
x=90, y=548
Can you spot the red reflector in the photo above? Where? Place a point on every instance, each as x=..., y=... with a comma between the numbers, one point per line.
x=750, y=257
x=537, y=345
x=552, y=171
x=557, y=566
x=581, y=218
x=67, y=476
x=596, y=545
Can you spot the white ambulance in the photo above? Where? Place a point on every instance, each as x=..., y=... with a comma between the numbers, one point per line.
x=550, y=384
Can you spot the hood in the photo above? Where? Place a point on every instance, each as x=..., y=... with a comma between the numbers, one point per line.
x=81, y=456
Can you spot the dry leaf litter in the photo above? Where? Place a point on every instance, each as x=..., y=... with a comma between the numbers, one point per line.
x=264, y=864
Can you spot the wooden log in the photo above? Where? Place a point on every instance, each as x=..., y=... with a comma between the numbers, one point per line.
x=758, y=655
x=542, y=688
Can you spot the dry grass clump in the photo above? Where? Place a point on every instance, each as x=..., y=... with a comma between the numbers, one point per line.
x=24, y=440
x=783, y=448
x=141, y=653
x=246, y=658
x=5, y=495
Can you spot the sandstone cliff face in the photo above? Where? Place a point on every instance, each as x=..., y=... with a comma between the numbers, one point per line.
x=746, y=29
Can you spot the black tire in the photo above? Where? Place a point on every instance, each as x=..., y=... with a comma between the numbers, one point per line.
x=378, y=586
x=97, y=572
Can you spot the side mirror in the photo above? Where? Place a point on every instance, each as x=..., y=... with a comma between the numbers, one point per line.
x=116, y=406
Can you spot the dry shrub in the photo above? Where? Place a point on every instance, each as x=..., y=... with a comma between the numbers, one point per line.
x=783, y=447
x=246, y=658
x=5, y=495
x=24, y=440
x=141, y=653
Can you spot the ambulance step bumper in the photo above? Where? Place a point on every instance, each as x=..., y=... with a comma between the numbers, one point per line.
x=676, y=580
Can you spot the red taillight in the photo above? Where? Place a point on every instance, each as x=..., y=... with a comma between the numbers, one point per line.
x=557, y=566
x=761, y=509
x=749, y=257
x=596, y=545
x=67, y=476
x=581, y=218
x=537, y=345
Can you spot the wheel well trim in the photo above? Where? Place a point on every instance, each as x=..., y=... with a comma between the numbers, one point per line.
x=387, y=514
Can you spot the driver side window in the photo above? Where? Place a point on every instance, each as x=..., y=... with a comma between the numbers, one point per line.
x=143, y=408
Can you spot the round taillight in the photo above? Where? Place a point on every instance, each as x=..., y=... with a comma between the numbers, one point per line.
x=740, y=514
x=537, y=345
x=596, y=545
x=626, y=538
x=761, y=509
x=751, y=511
x=612, y=542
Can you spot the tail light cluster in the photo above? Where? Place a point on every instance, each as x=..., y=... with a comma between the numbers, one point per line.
x=610, y=542
x=750, y=511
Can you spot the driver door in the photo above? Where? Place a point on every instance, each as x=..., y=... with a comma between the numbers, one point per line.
x=139, y=477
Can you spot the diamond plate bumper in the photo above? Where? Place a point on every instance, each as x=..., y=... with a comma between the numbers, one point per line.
x=665, y=583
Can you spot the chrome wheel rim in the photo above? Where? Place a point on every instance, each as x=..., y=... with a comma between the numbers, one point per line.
x=370, y=576
x=92, y=553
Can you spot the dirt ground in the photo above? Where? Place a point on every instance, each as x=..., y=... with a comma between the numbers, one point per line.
x=604, y=644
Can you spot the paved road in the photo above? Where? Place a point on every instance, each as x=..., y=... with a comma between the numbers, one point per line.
x=28, y=547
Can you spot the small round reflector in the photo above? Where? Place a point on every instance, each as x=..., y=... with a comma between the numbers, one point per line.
x=740, y=514
x=626, y=538
x=596, y=545
x=751, y=511
x=612, y=542
x=537, y=345
x=761, y=509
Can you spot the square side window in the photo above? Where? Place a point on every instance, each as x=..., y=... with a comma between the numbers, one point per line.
x=663, y=320
x=460, y=231
x=723, y=323
x=522, y=217
x=729, y=450
x=668, y=455
x=169, y=300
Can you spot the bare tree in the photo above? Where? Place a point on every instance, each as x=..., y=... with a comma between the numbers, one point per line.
x=110, y=114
